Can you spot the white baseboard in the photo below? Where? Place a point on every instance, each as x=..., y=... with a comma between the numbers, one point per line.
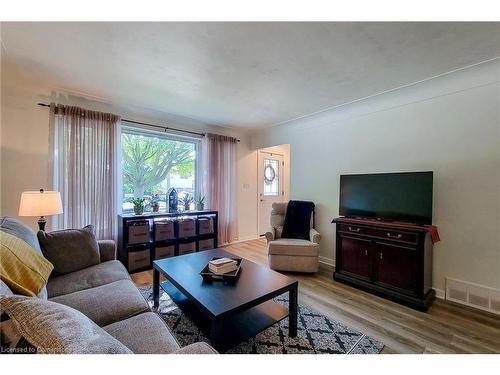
x=244, y=239
x=439, y=293
x=327, y=261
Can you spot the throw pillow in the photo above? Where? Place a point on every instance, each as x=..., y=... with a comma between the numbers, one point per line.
x=70, y=250
x=22, y=231
x=21, y=268
x=31, y=325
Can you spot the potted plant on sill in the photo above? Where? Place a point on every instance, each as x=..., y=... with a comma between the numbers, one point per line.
x=155, y=202
x=139, y=204
x=200, y=202
x=186, y=201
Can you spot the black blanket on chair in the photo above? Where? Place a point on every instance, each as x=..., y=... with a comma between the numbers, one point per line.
x=298, y=220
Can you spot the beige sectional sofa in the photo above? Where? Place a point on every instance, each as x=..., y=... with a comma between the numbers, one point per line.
x=106, y=294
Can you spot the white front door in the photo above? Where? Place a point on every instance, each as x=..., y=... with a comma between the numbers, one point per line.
x=270, y=183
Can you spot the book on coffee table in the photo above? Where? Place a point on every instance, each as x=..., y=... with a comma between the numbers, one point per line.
x=222, y=265
x=225, y=270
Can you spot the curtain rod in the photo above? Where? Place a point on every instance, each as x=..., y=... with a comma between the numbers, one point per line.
x=165, y=128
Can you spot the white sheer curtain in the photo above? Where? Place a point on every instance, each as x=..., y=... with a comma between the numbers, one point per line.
x=85, y=168
x=219, y=182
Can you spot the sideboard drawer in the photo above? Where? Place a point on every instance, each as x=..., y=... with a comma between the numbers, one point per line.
x=395, y=235
x=381, y=233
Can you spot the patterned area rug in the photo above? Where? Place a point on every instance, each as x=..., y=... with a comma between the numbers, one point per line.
x=316, y=334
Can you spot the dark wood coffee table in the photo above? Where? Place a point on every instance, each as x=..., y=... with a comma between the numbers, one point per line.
x=228, y=313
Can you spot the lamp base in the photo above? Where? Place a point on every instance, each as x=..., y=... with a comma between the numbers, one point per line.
x=41, y=223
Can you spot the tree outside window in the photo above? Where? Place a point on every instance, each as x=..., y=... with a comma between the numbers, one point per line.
x=153, y=165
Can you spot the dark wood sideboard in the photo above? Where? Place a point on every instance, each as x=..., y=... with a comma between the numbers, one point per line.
x=392, y=260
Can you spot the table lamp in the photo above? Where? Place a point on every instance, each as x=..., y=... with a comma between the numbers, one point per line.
x=40, y=203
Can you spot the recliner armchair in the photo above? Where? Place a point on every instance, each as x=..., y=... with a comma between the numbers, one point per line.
x=290, y=254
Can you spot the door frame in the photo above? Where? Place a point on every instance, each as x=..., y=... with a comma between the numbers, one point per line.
x=259, y=181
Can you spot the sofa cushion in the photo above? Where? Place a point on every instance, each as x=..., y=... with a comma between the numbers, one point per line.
x=107, y=303
x=90, y=277
x=107, y=250
x=145, y=333
x=70, y=250
x=292, y=263
x=21, y=267
x=293, y=247
x=49, y=327
x=22, y=231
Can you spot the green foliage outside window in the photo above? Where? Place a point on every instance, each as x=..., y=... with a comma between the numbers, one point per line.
x=150, y=162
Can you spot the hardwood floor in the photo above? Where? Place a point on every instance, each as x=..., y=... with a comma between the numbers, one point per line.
x=445, y=328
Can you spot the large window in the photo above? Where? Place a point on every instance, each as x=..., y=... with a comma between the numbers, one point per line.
x=153, y=163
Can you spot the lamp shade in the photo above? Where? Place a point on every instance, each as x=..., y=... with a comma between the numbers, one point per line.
x=40, y=203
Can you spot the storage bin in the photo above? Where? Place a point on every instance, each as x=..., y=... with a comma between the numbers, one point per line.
x=164, y=230
x=206, y=244
x=164, y=252
x=205, y=225
x=187, y=248
x=138, y=232
x=138, y=259
x=187, y=227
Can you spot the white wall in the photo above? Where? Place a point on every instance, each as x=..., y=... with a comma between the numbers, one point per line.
x=24, y=139
x=450, y=125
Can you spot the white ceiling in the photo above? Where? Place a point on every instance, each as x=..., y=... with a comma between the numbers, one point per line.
x=248, y=75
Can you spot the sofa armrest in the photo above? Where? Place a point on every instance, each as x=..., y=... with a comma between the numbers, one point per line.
x=270, y=234
x=196, y=348
x=107, y=250
x=314, y=236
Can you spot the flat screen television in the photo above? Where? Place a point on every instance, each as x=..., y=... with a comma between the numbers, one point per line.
x=405, y=197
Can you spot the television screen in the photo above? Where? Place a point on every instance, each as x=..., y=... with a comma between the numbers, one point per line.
x=403, y=197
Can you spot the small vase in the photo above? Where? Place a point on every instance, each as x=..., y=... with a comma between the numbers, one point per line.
x=187, y=206
x=138, y=210
x=200, y=206
x=156, y=208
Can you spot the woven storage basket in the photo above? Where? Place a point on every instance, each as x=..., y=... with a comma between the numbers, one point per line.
x=164, y=230
x=138, y=231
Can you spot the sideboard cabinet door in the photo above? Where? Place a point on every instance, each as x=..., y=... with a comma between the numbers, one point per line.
x=396, y=267
x=356, y=257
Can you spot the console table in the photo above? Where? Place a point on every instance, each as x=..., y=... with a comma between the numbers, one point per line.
x=393, y=260
x=148, y=250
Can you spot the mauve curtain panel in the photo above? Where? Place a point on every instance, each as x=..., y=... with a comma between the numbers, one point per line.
x=219, y=182
x=85, y=168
